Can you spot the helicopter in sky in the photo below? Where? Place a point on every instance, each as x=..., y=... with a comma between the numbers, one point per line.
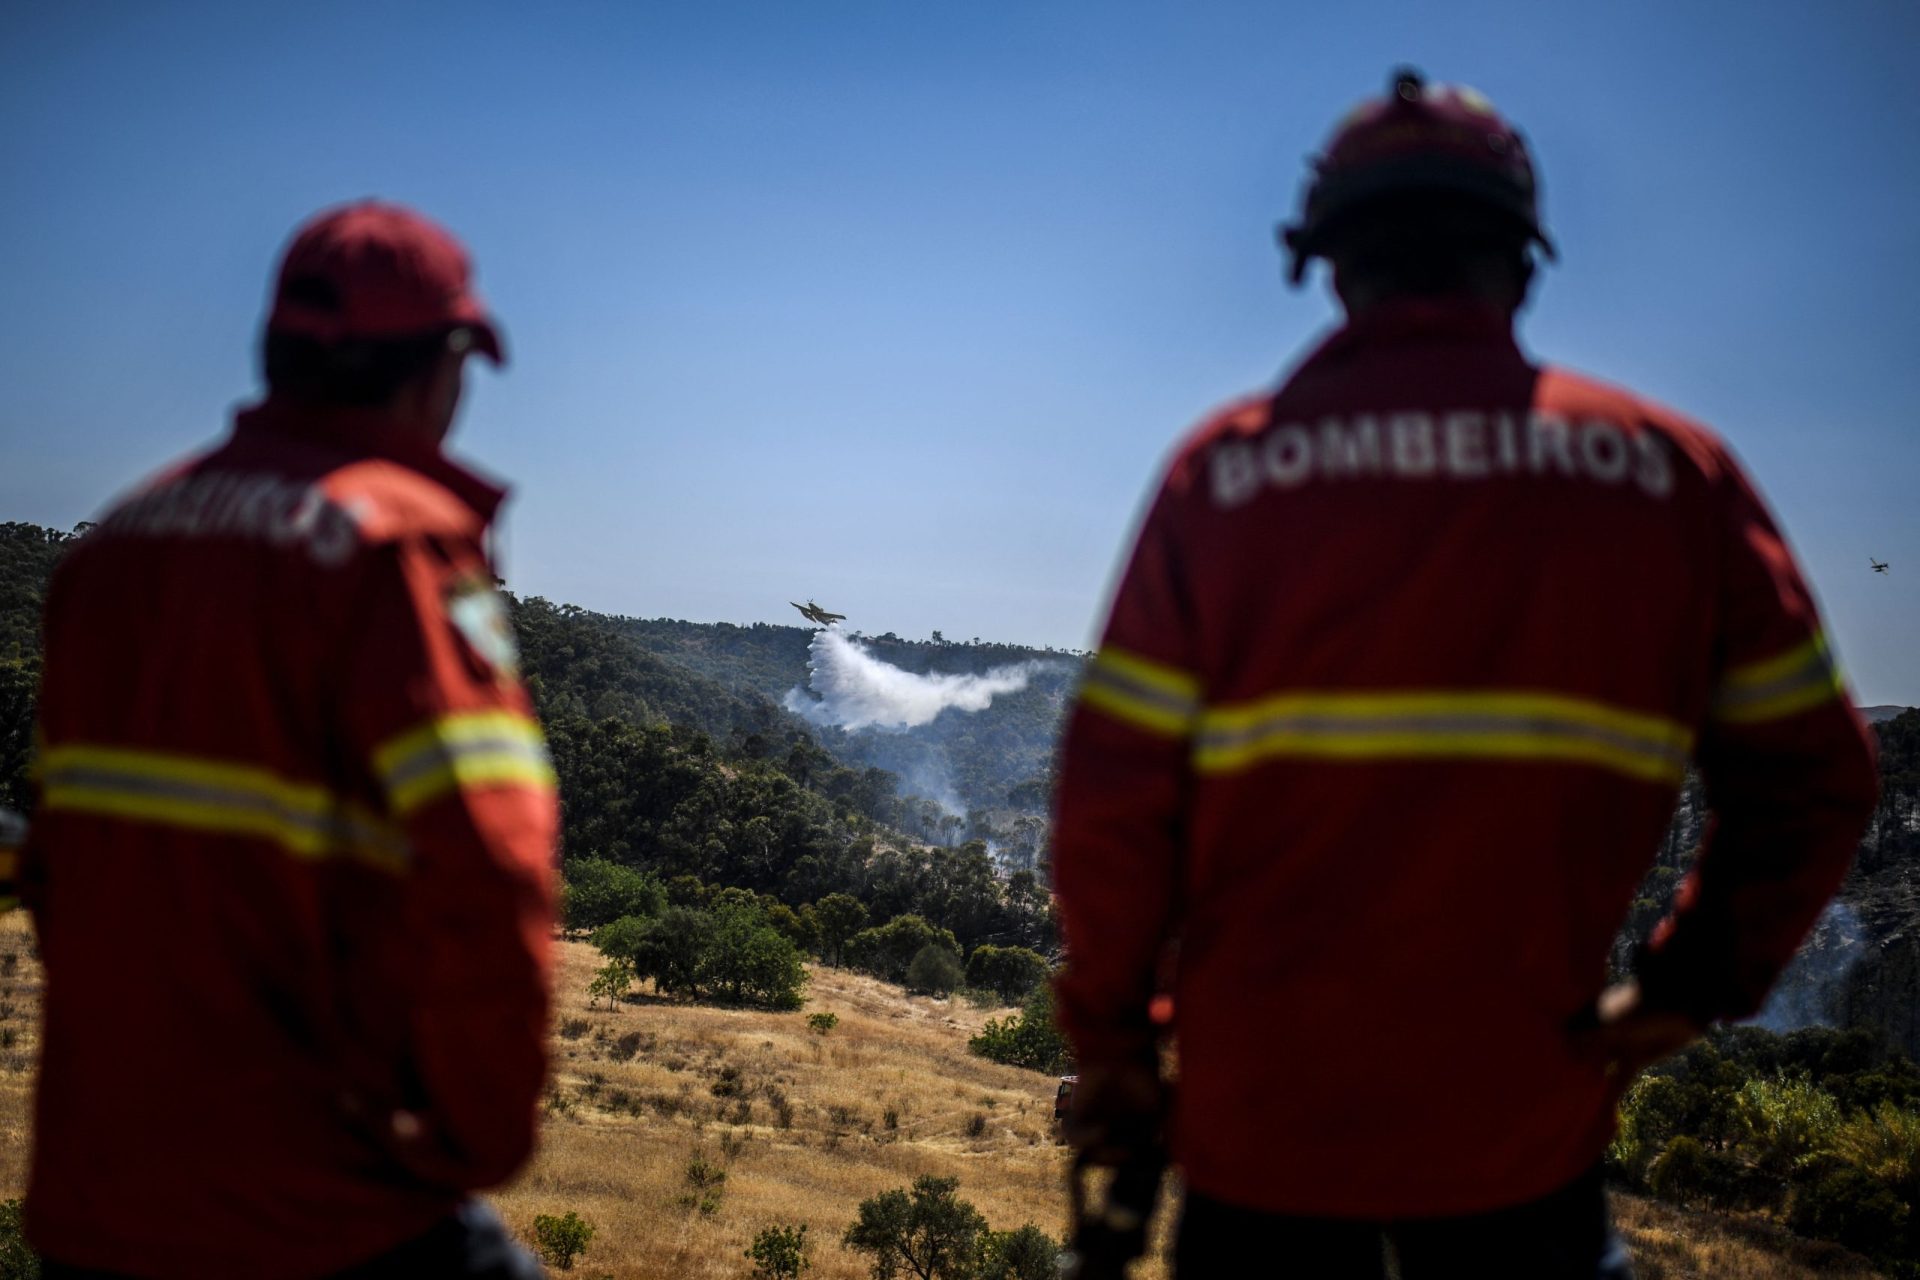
x=814, y=613
x=1879, y=566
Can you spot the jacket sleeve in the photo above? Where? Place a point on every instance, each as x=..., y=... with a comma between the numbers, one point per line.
x=1121, y=801
x=435, y=710
x=1788, y=768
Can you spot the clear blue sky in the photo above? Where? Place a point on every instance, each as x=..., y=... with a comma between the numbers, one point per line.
x=899, y=305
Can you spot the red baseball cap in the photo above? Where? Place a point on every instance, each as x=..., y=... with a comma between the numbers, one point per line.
x=377, y=270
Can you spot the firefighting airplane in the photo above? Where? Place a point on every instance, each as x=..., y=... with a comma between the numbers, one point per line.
x=814, y=613
x=1879, y=566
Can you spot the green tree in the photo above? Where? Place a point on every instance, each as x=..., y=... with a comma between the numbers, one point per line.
x=673, y=951
x=928, y=1232
x=611, y=983
x=19, y=686
x=1008, y=972
x=561, y=1240
x=800, y=927
x=779, y=1253
x=598, y=892
x=839, y=916
x=748, y=961
x=934, y=970
x=624, y=938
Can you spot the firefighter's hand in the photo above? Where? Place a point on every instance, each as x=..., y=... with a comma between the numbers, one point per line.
x=1118, y=1110
x=1626, y=1034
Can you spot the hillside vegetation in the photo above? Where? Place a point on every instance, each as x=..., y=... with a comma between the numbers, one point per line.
x=713, y=839
x=805, y=1126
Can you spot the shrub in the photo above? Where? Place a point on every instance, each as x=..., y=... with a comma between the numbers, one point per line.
x=561, y=1240
x=821, y=1023
x=17, y=1260
x=1845, y=1204
x=779, y=1253
x=929, y=1232
x=1008, y=972
x=1029, y=1039
x=729, y=1084
x=1886, y=1145
x=628, y=1045
x=1677, y=1172
x=934, y=971
x=705, y=1183
x=1026, y=1254
x=977, y=1124
x=611, y=983
x=1784, y=1122
x=887, y=951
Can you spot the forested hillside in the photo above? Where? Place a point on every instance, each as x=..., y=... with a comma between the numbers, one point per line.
x=970, y=763
x=668, y=771
x=676, y=757
x=712, y=839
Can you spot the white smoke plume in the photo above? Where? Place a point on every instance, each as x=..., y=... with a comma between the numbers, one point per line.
x=856, y=690
x=1812, y=991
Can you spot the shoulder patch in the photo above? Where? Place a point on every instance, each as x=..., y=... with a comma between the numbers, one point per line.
x=480, y=615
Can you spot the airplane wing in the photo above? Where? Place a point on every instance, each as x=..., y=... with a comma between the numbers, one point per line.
x=832, y=617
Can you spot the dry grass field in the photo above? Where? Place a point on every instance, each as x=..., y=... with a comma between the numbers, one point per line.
x=805, y=1126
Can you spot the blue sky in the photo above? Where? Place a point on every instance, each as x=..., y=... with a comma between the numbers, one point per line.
x=899, y=305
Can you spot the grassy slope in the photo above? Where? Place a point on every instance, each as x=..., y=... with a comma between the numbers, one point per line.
x=616, y=1151
x=624, y=1171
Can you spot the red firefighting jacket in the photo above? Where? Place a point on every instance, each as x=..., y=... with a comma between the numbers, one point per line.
x=291, y=865
x=1397, y=692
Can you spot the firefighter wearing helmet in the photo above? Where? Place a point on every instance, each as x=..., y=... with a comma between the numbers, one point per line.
x=1400, y=683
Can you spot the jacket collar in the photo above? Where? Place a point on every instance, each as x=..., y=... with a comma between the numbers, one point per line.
x=1399, y=321
x=363, y=433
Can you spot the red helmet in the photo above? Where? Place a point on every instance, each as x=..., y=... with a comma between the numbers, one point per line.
x=1420, y=137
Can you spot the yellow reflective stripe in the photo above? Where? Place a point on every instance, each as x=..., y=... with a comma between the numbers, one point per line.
x=1804, y=676
x=1142, y=715
x=217, y=796
x=433, y=737
x=1141, y=692
x=1154, y=675
x=469, y=749
x=189, y=771
x=1462, y=724
x=1768, y=670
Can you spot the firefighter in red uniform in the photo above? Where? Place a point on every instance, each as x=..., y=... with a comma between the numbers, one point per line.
x=292, y=860
x=1408, y=664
